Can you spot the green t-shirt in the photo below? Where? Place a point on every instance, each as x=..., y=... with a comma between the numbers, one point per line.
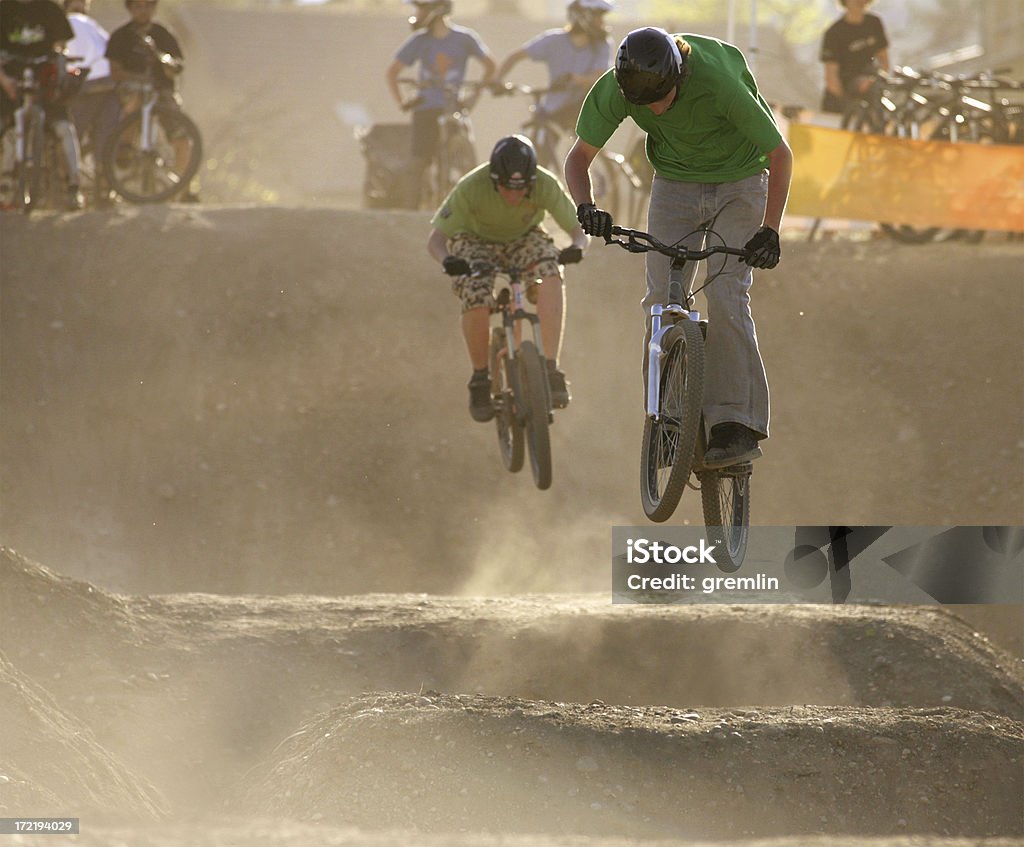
x=719, y=129
x=475, y=206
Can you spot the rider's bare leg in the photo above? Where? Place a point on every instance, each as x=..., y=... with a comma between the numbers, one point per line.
x=476, y=329
x=551, y=311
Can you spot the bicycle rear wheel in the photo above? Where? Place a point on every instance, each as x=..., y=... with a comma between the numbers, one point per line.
x=156, y=174
x=670, y=440
x=533, y=387
x=725, y=498
x=510, y=430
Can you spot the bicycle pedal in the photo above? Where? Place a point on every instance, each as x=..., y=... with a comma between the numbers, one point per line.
x=741, y=469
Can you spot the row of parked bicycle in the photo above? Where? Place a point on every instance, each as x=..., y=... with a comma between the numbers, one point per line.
x=982, y=108
x=976, y=108
x=152, y=155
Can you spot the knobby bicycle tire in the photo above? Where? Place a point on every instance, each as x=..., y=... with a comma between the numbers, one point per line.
x=152, y=177
x=536, y=404
x=670, y=441
x=725, y=499
x=510, y=430
x=455, y=158
x=29, y=182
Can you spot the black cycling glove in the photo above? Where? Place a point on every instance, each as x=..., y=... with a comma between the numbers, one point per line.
x=570, y=255
x=764, y=249
x=456, y=266
x=594, y=221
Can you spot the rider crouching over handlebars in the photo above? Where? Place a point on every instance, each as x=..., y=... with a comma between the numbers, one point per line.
x=492, y=218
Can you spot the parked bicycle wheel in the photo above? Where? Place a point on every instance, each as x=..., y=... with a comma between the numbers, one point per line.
x=670, y=440
x=725, y=498
x=28, y=173
x=533, y=385
x=165, y=167
x=510, y=430
x=454, y=161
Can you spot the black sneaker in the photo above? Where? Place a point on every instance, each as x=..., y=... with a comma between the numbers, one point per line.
x=481, y=407
x=560, y=396
x=730, y=444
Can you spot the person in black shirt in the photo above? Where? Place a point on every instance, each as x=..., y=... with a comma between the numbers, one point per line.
x=30, y=29
x=139, y=48
x=854, y=48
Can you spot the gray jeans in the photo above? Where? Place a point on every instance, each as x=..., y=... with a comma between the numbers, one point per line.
x=735, y=386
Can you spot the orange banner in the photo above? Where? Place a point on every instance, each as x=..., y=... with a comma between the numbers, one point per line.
x=840, y=174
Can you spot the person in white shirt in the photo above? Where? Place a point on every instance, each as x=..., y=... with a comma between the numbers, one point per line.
x=96, y=109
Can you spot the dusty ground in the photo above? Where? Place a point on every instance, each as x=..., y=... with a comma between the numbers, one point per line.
x=290, y=597
x=252, y=718
x=270, y=402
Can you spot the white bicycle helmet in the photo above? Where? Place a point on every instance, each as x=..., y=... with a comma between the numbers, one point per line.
x=428, y=11
x=588, y=15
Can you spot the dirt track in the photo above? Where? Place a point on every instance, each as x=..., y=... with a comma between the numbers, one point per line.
x=295, y=600
x=229, y=400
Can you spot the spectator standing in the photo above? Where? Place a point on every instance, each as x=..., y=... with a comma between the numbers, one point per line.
x=575, y=55
x=853, y=50
x=133, y=50
x=95, y=109
x=30, y=29
x=442, y=51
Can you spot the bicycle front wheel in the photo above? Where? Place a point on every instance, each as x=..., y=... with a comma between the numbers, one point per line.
x=29, y=172
x=165, y=168
x=510, y=430
x=533, y=385
x=670, y=439
x=725, y=497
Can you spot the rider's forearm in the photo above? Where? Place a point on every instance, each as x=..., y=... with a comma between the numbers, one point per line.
x=392, y=80
x=489, y=68
x=510, y=62
x=577, y=172
x=579, y=238
x=832, y=83
x=437, y=245
x=780, y=174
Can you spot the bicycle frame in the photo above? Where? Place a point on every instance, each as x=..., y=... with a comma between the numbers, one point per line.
x=29, y=122
x=21, y=114
x=675, y=310
x=512, y=309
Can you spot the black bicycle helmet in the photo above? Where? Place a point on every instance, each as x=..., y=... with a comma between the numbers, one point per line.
x=648, y=65
x=514, y=162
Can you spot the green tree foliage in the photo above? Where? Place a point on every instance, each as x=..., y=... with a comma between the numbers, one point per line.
x=799, y=21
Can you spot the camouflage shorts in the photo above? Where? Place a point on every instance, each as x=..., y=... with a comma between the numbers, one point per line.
x=535, y=250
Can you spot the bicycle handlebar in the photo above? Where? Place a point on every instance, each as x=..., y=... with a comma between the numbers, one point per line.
x=505, y=89
x=643, y=242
